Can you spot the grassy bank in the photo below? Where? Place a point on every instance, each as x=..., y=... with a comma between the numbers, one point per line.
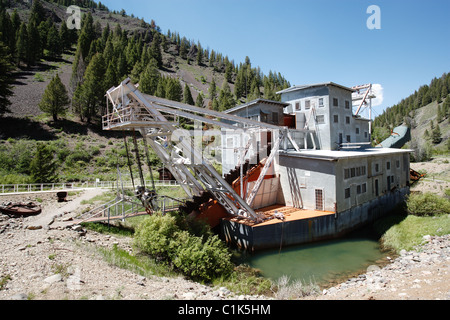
x=411, y=230
x=424, y=214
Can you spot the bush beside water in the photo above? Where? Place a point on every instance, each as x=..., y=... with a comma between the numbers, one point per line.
x=201, y=257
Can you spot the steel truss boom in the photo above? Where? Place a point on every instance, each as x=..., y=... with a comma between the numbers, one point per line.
x=155, y=119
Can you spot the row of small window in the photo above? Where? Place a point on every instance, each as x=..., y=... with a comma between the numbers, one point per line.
x=320, y=103
x=362, y=188
x=388, y=165
x=354, y=172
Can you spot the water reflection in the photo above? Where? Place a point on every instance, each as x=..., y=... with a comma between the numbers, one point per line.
x=322, y=262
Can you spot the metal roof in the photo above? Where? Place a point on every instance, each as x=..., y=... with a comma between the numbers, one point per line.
x=333, y=155
x=256, y=101
x=323, y=84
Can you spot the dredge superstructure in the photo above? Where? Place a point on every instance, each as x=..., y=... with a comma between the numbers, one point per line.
x=298, y=171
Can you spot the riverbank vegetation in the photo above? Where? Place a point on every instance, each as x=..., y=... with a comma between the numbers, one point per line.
x=172, y=245
x=424, y=214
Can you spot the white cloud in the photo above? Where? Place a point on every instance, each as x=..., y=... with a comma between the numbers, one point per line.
x=377, y=89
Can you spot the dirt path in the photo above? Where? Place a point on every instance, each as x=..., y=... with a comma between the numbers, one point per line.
x=50, y=213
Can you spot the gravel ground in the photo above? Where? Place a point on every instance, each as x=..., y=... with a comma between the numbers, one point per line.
x=42, y=259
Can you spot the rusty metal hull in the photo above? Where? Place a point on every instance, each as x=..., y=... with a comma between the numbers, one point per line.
x=23, y=210
x=310, y=228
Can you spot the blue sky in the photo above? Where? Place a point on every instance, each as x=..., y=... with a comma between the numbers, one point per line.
x=310, y=41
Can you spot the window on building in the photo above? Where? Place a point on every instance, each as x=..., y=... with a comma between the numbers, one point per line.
x=335, y=102
x=275, y=117
x=388, y=165
x=354, y=172
x=297, y=105
x=319, y=199
x=377, y=167
x=397, y=164
x=264, y=117
x=366, y=134
x=347, y=120
x=358, y=189
x=336, y=118
x=321, y=102
x=357, y=130
x=320, y=119
x=347, y=193
x=364, y=187
x=349, y=139
x=347, y=104
x=307, y=104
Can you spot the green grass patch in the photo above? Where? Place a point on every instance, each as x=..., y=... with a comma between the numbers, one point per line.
x=409, y=232
x=111, y=229
x=139, y=264
x=246, y=280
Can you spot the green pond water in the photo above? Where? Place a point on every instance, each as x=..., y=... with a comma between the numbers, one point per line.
x=322, y=262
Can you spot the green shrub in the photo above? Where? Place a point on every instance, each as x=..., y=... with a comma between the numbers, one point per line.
x=154, y=235
x=200, y=260
x=427, y=204
x=203, y=257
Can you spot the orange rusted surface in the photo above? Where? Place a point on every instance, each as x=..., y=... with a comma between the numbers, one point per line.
x=289, y=214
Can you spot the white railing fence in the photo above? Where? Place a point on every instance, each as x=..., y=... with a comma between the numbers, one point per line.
x=40, y=187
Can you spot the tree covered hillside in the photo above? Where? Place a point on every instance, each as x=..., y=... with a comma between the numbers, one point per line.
x=53, y=81
x=112, y=46
x=427, y=113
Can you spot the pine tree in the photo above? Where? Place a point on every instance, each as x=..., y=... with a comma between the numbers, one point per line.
x=8, y=32
x=5, y=79
x=229, y=72
x=34, y=40
x=199, y=55
x=187, y=95
x=199, y=101
x=150, y=78
x=110, y=76
x=37, y=12
x=439, y=116
x=155, y=50
x=446, y=107
x=174, y=91
x=43, y=165
x=55, y=98
x=215, y=105
x=436, y=135
x=54, y=42
x=212, y=90
x=183, y=48
x=226, y=100
x=22, y=44
x=160, y=89
x=89, y=95
x=65, y=37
